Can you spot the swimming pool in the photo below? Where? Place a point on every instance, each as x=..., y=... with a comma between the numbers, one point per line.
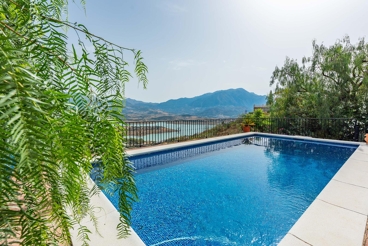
x=247, y=191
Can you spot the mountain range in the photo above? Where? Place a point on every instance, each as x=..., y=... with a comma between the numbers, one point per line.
x=219, y=104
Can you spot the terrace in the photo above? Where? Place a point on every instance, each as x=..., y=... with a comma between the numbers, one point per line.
x=338, y=216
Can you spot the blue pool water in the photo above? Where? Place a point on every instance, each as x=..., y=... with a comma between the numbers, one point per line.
x=240, y=192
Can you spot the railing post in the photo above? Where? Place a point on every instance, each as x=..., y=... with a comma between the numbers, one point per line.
x=356, y=131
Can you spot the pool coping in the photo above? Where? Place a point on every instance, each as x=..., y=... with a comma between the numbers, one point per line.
x=338, y=215
x=158, y=148
x=107, y=220
x=329, y=220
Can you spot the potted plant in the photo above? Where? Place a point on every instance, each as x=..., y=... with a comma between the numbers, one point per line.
x=247, y=123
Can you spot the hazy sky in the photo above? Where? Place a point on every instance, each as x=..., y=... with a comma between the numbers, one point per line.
x=193, y=47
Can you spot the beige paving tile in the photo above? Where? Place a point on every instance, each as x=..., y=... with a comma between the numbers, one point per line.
x=362, y=149
x=102, y=206
x=107, y=228
x=290, y=240
x=324, y=224
x=359, y=156
x=360, y=165
x=353, y=172
x=345, y=195
x=99, y=201
x=107, y=220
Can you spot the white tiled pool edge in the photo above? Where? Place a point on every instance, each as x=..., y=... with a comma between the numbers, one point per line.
x=108, y=218
x=337, y=217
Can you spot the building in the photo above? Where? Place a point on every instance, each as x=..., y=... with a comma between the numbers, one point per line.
x=264, y=108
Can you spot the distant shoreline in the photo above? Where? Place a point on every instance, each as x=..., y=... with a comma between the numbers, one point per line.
x=145, y=130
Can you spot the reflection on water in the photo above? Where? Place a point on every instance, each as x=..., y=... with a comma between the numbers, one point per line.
x=296, y=159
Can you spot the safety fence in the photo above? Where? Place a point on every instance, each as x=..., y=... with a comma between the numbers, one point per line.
x=148, y=133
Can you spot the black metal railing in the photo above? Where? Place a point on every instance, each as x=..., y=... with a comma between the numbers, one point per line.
x=148, y=133
x=332, y=128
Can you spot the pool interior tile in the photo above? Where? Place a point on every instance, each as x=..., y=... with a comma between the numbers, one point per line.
x=326, y=224
x=291, y=240
x=345, y=195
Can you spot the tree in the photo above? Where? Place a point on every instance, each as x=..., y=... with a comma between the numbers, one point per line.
x=258, y=119
x=332, y=83
x=60, y=109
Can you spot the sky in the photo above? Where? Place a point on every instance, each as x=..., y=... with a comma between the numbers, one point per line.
x=192, y=47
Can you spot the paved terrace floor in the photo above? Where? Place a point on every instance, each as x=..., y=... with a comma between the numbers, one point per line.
x=338, y=216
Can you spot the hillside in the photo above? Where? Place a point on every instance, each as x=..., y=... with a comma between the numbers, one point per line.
x=218, y=104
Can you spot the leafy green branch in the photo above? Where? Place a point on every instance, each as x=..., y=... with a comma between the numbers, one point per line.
x=59, y=110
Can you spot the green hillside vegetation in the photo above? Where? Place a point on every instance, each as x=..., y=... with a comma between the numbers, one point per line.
x=223, y=129
x=332, y=83
x=258, y=119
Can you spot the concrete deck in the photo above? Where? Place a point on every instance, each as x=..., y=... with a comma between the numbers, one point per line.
x=338, y=216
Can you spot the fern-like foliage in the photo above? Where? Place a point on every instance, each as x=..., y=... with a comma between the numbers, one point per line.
x=60, y=108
